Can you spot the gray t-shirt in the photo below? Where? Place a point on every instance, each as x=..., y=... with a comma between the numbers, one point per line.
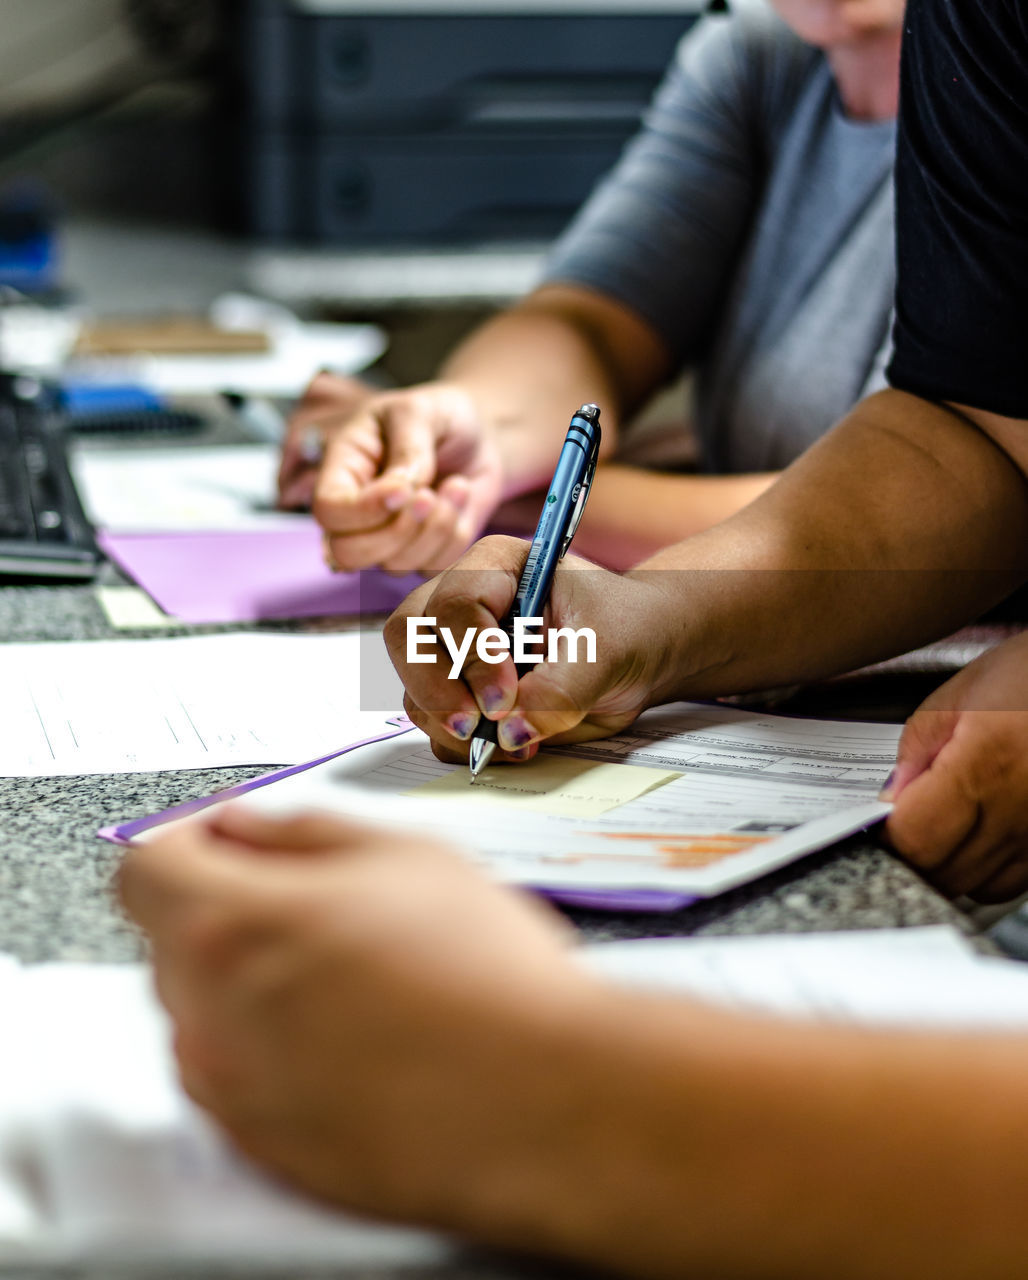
x=751, y=222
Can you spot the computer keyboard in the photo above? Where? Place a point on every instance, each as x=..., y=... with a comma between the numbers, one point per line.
x=43, y=531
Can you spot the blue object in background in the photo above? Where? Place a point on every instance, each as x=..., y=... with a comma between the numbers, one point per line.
x=84, y=398
x=28, y=240
x=124, y=408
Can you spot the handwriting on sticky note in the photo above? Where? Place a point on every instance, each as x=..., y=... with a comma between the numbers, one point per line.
x=560, y=785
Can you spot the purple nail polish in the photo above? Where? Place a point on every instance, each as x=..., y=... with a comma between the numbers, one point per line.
x=492, y=699
x=515, y=733
x=461, y=725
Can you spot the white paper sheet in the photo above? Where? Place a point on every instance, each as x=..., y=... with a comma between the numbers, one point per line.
x=175, y=490
x=756, y=792
x=124, y=706
x=102, y=1156
x=905, y=978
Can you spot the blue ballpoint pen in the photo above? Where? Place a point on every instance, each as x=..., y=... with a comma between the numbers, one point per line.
x=562, y=510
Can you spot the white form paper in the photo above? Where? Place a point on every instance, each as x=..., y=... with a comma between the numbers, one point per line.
x=922, y=978
x=755, y=792
x=124, y=706
x=103, y=1157
x=180, y=490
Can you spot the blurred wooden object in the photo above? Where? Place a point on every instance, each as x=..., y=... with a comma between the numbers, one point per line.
x=174, y=335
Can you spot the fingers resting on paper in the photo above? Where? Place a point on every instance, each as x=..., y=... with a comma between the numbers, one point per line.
x=321, y=993
x=960, y=786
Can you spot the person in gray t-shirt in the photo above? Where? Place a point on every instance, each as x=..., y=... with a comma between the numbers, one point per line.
x=751, y=224
x=746, y=233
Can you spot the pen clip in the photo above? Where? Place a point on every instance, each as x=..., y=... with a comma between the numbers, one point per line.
x=583, y=494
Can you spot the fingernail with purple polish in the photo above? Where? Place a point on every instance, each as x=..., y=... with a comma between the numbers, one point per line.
x=515, y=733
x=461, y=725
x=492, y=699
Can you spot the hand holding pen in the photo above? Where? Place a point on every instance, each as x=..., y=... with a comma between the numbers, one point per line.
x=570, y=701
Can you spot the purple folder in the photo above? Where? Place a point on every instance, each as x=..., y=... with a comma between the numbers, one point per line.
x=249, y=575
x=590, y=899
x=126, y=832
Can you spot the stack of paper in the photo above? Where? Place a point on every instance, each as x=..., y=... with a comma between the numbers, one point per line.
x=297, y=351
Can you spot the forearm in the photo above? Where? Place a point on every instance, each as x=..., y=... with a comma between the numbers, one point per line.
x=530, y=367
x=707, y=1143
x=633, y=513
x=901, y=524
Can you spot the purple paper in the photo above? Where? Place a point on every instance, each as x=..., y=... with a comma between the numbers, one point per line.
x=656, y=900
x=250, y=575
x=125, y=832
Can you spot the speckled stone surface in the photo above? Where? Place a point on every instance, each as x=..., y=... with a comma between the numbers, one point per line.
x=55, y=875
x=57, y=904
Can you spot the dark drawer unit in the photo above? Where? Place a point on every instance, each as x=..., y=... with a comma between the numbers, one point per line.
x=390, y=189
x=444, y=71
x=391, y=128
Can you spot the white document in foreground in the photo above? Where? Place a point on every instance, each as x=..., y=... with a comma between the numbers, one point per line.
x=755, y=792
x=195, y=702
x=103, y=1157
x=924, y=978
x=180, y=490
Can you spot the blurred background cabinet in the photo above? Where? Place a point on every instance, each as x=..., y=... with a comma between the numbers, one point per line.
x=358, y=124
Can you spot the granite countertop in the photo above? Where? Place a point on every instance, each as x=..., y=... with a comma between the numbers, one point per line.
x=55, y=874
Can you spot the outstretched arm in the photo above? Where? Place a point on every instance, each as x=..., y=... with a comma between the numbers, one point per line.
x=529, y=369
x=904, y=522
x=370, y=1019
x=633, y=513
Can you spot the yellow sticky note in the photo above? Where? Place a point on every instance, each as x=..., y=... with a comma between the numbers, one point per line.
x=560, y=785
x=130, y=609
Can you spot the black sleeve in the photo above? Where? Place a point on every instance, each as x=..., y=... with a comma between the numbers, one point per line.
x=962, y=205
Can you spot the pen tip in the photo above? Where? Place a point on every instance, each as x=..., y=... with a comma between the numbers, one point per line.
x=480, y=755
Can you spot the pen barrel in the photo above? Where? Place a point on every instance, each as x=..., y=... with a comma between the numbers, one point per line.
x=561, y=512
x=571, y=473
